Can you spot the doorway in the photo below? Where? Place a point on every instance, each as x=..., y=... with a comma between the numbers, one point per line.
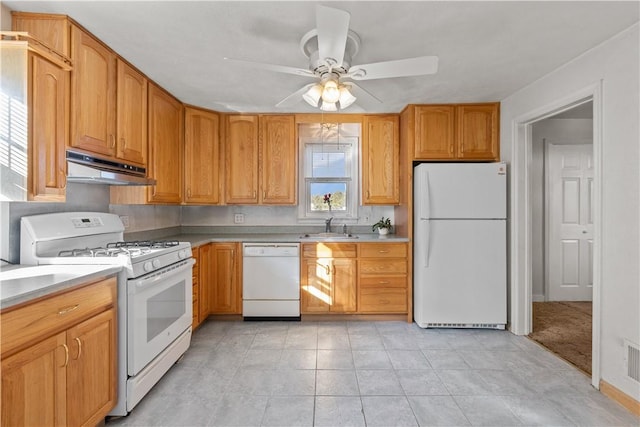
x=562, y=178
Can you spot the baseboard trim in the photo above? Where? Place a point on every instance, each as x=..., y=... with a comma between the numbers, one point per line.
x=621, y=397
x=537, y=297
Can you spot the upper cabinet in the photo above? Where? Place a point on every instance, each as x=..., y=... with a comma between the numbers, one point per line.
x=456, y=132
x=278, y=160
x=35, y=116
x=202, y=156
x=261, y=160
x=52, y=30
x=131, y=124
x=93, y=95
x=380, y=160
x=241, y=165
x=166, y=130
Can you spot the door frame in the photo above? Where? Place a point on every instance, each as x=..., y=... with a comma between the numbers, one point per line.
x=547, y=216
x=521, y=297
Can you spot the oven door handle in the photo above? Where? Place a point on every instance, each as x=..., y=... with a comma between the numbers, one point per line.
x=160, y=275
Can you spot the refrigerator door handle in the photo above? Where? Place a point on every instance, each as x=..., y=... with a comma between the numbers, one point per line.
x=427, y=242
x=424, y=204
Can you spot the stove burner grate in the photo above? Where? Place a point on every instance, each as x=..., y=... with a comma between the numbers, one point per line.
x=151, y=244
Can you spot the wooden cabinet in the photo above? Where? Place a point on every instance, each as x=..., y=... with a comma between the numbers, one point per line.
x=382, y=278
x=456, y=132
x=205, y=281
x=328, y=278
x=131, y=124
x=48, y=109
x=241, y=165
x=478, y=131
x=52, y=30
x=195, y=295
x=93, y=94
x=226, y=288
x=202, y=156
x=278, y=160
x=166, y=132
x=380, y=160
x=59, y=358
x=261, y=160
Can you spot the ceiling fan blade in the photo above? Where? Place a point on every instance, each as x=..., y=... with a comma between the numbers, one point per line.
x=273, y=67
x=332, y=26
x=294, y=98
x=363, y=97
x=400, y=68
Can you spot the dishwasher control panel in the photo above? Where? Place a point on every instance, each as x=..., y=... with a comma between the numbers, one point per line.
x=271, y=249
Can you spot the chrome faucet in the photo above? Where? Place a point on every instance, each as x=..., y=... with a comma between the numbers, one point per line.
x=327, y=224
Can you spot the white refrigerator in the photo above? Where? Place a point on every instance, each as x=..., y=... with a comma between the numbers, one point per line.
x=460, y=245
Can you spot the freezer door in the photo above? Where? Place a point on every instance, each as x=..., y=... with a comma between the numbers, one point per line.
x=460, y=273
x=460, y=190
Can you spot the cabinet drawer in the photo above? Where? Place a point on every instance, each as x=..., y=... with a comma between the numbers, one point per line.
x=383, y=266
x=383, y=300
x=383, y=250
x=329, y=250
x=30, y=323
x=377, y=282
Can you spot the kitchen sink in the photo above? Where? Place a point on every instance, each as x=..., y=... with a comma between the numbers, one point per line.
x=328, y=236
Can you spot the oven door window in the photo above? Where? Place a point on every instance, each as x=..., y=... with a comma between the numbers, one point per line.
x=164, y=309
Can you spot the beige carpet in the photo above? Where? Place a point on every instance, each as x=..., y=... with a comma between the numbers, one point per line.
x=565, y=329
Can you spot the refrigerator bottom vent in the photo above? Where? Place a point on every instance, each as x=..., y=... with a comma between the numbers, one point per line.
x=466, y=325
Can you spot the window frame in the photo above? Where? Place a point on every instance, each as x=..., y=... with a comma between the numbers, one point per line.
x=352, y=179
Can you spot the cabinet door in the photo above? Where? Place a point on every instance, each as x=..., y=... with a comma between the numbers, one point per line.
x=205, y=282
x=132, y=115
x=241, y=167
x=435, y=132
x=380, y=160
x=315, y=295
x=343, y=285
x=91, y=374
x=202, y=156
x=165, y=146
x=93, y=95
x=52, y=30
x=279, y=160
x=49, y=126
x=225, y=290
x=478, y=132
x=34, y=385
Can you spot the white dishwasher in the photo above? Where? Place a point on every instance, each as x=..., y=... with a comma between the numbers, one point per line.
x=271, y=281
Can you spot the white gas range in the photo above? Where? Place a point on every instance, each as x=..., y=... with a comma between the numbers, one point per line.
x=154, y=290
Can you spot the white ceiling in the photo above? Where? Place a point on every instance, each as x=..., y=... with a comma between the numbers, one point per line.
x=487, y=50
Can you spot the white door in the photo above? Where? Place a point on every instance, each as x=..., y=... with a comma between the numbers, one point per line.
x=570, y=222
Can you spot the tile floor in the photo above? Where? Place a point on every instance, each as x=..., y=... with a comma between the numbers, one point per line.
x=369, y=374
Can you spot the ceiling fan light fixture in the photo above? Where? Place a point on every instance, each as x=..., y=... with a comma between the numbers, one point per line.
x=312, y=96
x=328, y=106
x=330, y=93
x=346, y=98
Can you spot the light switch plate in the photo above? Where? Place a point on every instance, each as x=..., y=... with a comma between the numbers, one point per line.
x=238, y=218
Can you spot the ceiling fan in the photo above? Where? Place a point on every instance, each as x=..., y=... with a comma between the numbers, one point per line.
x=330, y=48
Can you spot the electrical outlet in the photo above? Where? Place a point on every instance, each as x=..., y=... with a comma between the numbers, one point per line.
x=238, y=218
x=125, y=221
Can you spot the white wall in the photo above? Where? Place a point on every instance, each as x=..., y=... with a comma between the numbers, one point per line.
x=615, y=64
x=5, y=18
x=558, y=131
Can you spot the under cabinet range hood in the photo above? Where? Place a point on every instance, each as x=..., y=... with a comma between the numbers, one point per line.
x=87, y=169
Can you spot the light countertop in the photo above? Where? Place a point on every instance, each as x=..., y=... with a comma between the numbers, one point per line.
x=21, y=283
x=202, y=239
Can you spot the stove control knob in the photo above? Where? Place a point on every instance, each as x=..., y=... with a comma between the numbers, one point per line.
x=182, y=254
x=147, y=266
x=156, y=263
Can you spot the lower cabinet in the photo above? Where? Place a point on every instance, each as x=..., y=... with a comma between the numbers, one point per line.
x=382, y=278
x=224, y=278
x=59, y=358
x=366, y=278
x=204, y=283
x=195, y=279
x=328, y=282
